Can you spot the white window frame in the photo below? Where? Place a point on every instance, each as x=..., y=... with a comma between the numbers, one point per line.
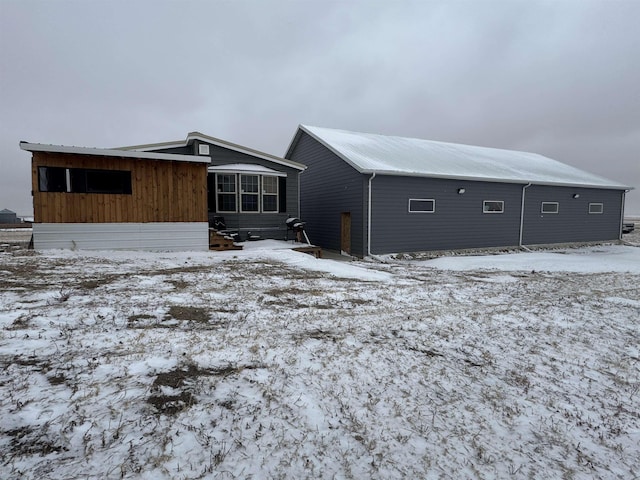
x=234, y=193
x=557, y=204
x=485, y=202
x=601, y=205
x=432, y=200
x=269, y=194
x=254, y=194
x=203, y=149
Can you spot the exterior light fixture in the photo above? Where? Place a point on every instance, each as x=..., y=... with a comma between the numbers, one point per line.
x=461, y=191
x=576, y=195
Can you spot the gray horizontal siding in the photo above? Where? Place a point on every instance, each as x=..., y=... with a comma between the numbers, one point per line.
x=572, y=223
x=329, y=187
x=458, y=221
x=266, y=225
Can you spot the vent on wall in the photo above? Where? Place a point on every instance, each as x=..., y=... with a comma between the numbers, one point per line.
x=203, y=149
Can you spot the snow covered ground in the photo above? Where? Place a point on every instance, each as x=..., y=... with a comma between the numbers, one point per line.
x=267, y=363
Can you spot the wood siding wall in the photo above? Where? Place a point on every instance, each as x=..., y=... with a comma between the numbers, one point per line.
x=162, y=191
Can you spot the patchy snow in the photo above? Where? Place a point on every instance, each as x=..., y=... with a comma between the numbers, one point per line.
x=600, y=259
x=412, y=156
x=268, y=363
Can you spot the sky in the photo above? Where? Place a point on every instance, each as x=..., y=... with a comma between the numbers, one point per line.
x=558, y=78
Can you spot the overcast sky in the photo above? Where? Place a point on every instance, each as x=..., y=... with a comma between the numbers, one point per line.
x=559, y=78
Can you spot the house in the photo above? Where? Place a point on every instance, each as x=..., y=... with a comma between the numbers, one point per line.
x=8, y=217
x=92, y=198
x=372, y=194
x=254, y=192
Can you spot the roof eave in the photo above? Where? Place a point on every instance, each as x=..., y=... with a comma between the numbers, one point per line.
x=491, y=179
x=330, y=147
x=105, y=152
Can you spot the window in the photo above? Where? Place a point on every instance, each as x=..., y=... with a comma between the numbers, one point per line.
x=226, y=188
x=84, y=180
x=52, y=179
x=493, y=206
x=422, y=205
x=550, y=207
x=100, y=181
x=596, y=208
x=203, y=149
x=249, y=193
x=269, y=194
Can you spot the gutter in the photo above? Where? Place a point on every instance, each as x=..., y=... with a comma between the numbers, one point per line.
x=369, y=216
x=522, y=215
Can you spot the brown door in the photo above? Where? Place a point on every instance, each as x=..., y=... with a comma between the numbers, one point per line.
x=345, y=232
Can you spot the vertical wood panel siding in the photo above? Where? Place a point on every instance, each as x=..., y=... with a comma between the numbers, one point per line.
x=162, y=191
x=572, y=223
x=329, y=187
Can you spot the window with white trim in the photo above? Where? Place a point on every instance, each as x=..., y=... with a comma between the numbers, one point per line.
x=596, y=208
x=493, y=206
x=249, y=193
x=269, y=194
x=226, y=188
x=422, y=205
x=550, y=207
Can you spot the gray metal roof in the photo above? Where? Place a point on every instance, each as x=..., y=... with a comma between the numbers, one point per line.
x=389, y=155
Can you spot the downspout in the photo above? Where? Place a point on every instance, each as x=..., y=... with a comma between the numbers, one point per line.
x=522, y=215
x=624, y=193
x=369, y=217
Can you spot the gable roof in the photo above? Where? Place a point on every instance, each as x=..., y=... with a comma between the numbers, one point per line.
x=389, y=155
x=220, y=143
x=106, y=152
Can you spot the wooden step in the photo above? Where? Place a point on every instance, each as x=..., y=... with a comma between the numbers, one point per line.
x=220, y=242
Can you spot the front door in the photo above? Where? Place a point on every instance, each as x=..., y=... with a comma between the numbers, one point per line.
x=345, y=232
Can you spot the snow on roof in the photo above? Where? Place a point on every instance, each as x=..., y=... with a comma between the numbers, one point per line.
x=246, y=168
x=388, y=155
x=38, y=147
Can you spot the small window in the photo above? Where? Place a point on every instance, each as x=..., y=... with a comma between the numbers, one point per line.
x=422, y=205
x=493, y=206
x=550, y=207
x=203, y=149
x=52, y=179
x=596, y=208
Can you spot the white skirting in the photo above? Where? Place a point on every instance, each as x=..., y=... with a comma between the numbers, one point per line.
x=165, y=236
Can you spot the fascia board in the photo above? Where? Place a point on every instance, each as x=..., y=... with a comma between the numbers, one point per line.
x=493, y=180
x=104, y=152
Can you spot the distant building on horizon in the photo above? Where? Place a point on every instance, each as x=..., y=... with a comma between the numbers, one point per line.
x=7, y=216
